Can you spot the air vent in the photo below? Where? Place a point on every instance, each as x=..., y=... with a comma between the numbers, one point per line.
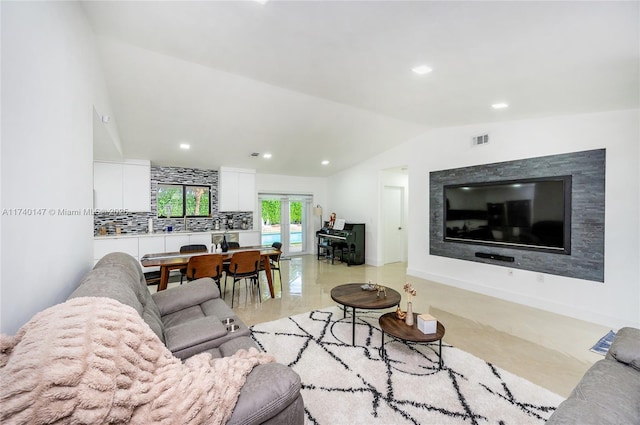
x=483, y=139
x=255, y=154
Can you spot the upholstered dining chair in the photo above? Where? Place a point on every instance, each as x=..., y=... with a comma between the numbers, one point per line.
x=209, y=265
x=244, y=265
x=190, y=249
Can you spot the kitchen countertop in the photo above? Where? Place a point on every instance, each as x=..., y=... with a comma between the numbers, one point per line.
x=177, y=232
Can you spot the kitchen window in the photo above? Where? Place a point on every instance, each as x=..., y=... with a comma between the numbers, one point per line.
x=178, y=200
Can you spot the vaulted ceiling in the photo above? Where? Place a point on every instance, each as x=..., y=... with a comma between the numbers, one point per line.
x=331, y=80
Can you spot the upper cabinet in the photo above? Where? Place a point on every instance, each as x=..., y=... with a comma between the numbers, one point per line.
x=122, y=185
x=237, y=190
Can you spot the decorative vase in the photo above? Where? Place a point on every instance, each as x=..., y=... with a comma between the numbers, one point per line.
x=409, y=318
x=224, y=245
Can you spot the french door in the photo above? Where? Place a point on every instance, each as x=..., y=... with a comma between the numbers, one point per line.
x=284, y=220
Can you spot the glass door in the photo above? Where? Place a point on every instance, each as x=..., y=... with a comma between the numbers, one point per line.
x=284, y=220
x=295, y=226
x=271, y=221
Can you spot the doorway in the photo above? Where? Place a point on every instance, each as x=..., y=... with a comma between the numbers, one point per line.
x=284, y=220
x=394, y=215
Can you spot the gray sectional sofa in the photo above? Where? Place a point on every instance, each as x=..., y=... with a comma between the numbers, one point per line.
x=609, y=392
x=188, y=320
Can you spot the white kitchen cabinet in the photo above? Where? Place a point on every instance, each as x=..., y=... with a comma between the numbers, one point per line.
x=237, y=190
x=136, y=187
x=151, y=244
x=249, y=238
x=102, y=247
x=172, y=243
x=201, y=239
x=122, y=185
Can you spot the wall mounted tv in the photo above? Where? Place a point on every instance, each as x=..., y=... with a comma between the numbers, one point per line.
x=532, y=214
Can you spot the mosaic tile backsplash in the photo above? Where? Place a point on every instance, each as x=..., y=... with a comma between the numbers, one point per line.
x=133, y=223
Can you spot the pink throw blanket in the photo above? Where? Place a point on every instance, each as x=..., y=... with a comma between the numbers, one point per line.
x=95, y=361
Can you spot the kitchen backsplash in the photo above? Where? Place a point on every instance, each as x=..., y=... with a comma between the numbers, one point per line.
x=138, y=222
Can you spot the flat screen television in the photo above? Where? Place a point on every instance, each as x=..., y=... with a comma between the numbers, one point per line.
x=530, y=214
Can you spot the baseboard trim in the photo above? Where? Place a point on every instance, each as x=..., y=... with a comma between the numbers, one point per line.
x=541, y=304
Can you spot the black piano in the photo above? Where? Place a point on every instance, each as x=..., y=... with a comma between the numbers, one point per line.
x=346, y=245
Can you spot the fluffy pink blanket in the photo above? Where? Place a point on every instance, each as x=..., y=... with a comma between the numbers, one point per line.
x=95, y=361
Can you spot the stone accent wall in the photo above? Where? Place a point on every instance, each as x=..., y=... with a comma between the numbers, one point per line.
x=587, y=169
x=138, y=222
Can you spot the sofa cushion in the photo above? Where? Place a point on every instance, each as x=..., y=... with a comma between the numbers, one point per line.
x=194, y=332
x=607, y=394
x=187, y=295
x=626, y=347
x=267, y=391
x=229, y=348
x=181, y=316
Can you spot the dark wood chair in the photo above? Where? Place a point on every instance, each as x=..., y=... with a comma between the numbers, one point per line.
x=190, y=249
x=209, y=265
x=244, y=265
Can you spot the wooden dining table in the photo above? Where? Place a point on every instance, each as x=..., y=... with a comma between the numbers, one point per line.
x=168, y=261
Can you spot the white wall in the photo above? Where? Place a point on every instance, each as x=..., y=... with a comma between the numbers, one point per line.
x=50, y=83
x=316, y=186
x=615, y=303
x=355, y=194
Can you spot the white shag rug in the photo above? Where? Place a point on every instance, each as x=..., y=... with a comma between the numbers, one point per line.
x=346, y=384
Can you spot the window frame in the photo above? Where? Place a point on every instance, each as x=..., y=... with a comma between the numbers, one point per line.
x=184, y=188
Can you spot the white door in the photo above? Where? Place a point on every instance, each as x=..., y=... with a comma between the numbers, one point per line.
x=394, y=232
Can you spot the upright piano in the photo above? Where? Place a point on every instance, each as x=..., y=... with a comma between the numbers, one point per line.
x=347, y=244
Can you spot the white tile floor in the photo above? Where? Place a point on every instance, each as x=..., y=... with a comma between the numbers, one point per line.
x=548, y=349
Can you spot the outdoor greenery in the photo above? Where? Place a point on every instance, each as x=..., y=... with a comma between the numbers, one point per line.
x=271, y=211
x=171, y=200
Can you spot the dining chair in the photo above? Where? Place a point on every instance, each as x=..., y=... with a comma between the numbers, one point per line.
x=190, y=249
x=152, y=278
x=232, y=245
x=274, y=261
x=209, y=265
x=244, y=265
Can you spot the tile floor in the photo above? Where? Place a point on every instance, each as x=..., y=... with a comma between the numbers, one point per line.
x=548, y=349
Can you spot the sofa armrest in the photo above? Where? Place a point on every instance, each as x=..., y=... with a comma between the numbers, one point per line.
x=187, y=295
x=269, y=389
x=626, y=347
x=194, y=332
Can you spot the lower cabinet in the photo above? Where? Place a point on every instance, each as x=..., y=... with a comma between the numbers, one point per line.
x=172, y=243
x=102, y=247
x=138, y=246
x=150, y=245
x=249, y=238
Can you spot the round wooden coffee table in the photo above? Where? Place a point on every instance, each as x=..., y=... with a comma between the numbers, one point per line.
x=390, y=324
x=352, y=295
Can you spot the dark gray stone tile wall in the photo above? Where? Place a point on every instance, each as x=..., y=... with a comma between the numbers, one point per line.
x=587, y=169
x=138, y=222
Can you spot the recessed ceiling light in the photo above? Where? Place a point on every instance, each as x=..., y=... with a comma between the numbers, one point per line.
x=500, y=105
x=184, y=146
x=422, y=69
x=261, y=1
x=325, y=162
x=266, y=155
